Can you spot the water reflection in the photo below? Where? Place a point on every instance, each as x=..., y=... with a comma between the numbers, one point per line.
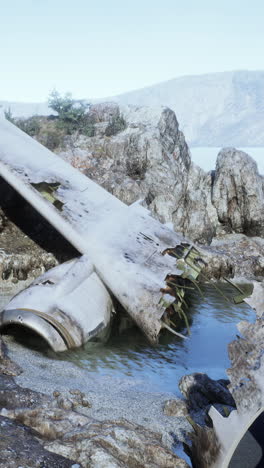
x=213, y=325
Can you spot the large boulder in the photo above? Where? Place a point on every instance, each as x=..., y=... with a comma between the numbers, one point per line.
x=196, y=217
x=238, y=193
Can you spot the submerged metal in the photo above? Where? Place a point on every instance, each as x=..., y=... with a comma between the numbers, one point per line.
x=236, y=439
x=67, y=306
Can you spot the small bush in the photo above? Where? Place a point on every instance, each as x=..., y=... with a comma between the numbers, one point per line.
x=51, y=138
x=30, y=126
x=72, y=114
x=9, y=115
x=117, y=124
x=87, y=125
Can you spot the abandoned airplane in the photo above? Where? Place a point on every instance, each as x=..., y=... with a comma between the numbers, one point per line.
x=127, y=253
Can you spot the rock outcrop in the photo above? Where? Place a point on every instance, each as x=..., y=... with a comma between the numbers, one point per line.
x=238, y=193
x=54, y=431
x=150, y=160
x=139, y=153
x=19, y=447
x=201, y=391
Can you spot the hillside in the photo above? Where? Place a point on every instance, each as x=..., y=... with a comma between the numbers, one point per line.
x=217, y=109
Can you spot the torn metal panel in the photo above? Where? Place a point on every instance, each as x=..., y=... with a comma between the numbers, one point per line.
x=124, y=243
x=256, y=300
x=67, y=306
x=218, y=445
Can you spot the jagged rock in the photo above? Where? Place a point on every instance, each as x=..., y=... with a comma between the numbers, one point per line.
x=201, y=391
x=234, y=255
x=12, y=396
x=176, y=408
x=92, y=443
x=196, y=217
x=149, y=160
x=117, y=444
x=17, y=267
x=246, y=373
x=19, y=448
x=238, y=193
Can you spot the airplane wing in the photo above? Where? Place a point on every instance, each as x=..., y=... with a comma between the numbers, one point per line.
x=126, y=245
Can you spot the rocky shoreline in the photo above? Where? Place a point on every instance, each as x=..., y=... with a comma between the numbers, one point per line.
x=79, y=424
x=104, y=421
x=89, y=424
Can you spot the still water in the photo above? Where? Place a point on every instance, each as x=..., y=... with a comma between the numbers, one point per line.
x=128, y=354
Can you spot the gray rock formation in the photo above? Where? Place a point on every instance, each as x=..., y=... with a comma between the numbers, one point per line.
x=20, y=448
x=176, y=408
x=201, y=391
x=238, y=193
x=150, y=160
x=147, y=158
x=234, y=255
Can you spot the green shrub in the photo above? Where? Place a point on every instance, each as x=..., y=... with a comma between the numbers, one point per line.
x=72, y=114
x=9, y=115
x=30, y=126
x=117, y=124
x=88, y=130
x=51, y=138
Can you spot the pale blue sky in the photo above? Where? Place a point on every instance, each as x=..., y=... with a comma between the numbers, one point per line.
x=102, y=48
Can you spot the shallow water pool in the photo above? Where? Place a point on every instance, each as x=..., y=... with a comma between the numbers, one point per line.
x=213, y=325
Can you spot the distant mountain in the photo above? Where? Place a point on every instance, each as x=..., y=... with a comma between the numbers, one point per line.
x=216, y=109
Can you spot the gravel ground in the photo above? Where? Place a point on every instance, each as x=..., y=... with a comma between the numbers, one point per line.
x=110, y=397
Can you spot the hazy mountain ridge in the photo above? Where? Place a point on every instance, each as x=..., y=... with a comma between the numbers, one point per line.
x=216, y=109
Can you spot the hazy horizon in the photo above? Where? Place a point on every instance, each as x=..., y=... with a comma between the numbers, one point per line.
x=110, y=48
x=132, y=90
